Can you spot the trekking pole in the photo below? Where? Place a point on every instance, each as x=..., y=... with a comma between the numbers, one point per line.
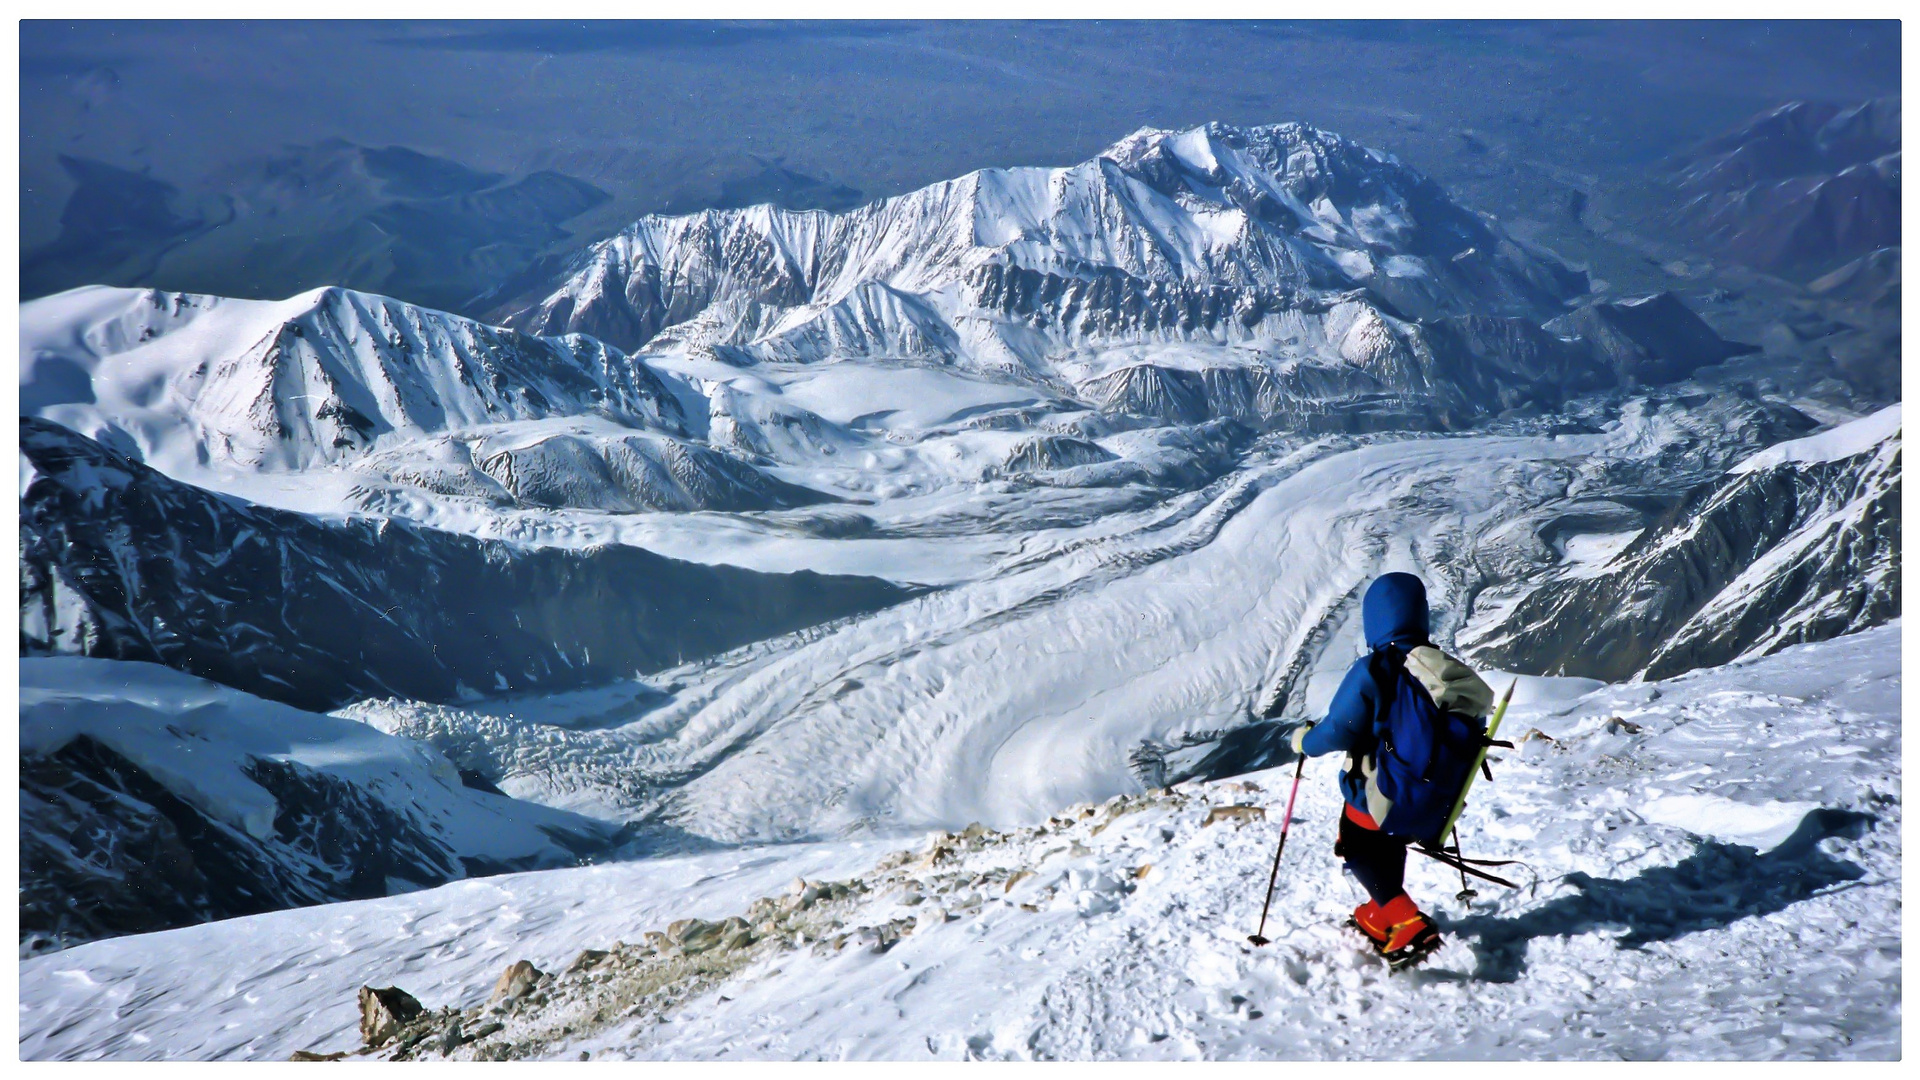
x=1286, y=822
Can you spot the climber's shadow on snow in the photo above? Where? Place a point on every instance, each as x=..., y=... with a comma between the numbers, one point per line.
x=1717, y=885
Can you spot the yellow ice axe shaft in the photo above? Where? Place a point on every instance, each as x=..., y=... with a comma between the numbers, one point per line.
x=1493, y=728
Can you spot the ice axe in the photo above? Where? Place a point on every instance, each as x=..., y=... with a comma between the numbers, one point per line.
x=1285, y=822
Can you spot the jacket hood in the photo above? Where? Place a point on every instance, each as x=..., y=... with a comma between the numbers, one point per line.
x=1394, y=611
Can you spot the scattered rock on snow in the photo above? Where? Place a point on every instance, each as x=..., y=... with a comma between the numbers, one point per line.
x=1237, y=813
x=517, y=981
x=587, y=960
x=384, y=1011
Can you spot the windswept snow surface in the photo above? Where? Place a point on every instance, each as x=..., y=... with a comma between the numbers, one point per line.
x=1666, y=910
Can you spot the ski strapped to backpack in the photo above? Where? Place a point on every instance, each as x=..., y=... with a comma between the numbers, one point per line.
x=1480, y=761
x=1466, y=865
x=1457, y=858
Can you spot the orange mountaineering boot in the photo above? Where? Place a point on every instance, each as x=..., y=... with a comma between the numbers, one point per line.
x=1367, y=919
x=1410, y=937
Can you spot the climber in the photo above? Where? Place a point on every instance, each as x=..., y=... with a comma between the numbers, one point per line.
x=1409, y=718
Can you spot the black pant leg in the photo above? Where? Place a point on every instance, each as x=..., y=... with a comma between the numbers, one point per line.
x=1377, y=861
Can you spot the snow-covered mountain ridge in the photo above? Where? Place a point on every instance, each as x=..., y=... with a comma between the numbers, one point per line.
x=306, y=381
x=1279, y=277
x=1306, y=280
x=1800, y=542
x=151, y=799
x=1208, y=231
x=119, y=561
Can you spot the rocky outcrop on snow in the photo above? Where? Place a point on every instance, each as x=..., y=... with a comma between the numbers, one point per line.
x=586, y=467
x=384, y=1011
x=150, y=799
x=119, y=561
x=952, y=876
x=1800, y=543
x=1799, y=189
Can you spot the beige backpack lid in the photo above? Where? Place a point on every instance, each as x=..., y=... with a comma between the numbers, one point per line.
x=1452, y=685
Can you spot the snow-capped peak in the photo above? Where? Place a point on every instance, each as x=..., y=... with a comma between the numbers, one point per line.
x=1096, y=253
x=184, y=380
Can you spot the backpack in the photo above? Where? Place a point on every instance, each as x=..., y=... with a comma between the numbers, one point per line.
x=1429, y=730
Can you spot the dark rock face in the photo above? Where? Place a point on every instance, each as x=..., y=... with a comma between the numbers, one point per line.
x=1799, y=189
x=1054, y=452
x=119, y=561
x=1504, y=363
x=1865, y=294
x=1872, y=281
x=107, y=849
x=1792, y=553
x=1651, y=339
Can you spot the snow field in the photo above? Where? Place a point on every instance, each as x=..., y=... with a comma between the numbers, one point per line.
x=1646, y=926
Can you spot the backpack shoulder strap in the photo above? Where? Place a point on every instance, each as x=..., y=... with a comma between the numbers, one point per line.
x=1385, y=665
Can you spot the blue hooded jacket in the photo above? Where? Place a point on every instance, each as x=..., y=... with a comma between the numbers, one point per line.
x=1393, y=612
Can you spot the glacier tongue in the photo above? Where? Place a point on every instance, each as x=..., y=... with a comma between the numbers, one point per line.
x=1059, y=672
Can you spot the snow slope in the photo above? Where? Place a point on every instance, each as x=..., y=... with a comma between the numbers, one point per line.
x=1835, y=443
x=309, y=380
x=1711, y=871
x=150, y=798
